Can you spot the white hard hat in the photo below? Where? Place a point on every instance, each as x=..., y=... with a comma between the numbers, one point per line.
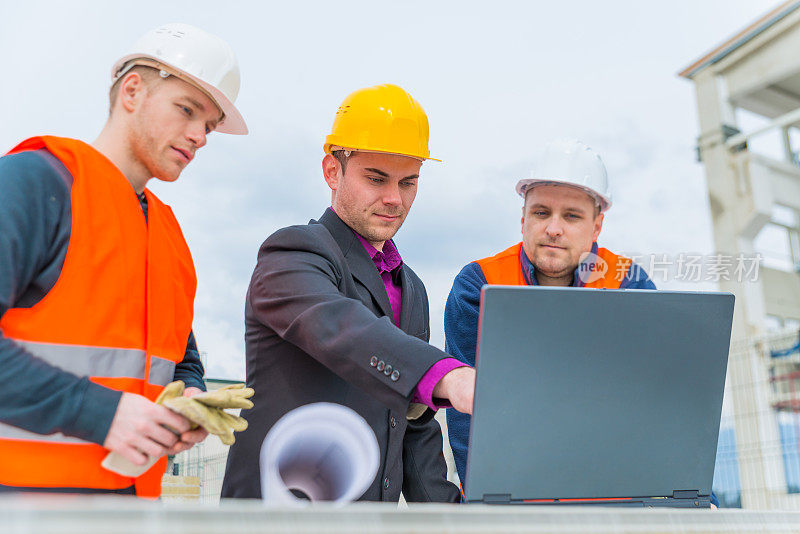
x=202, y=59
x=570, y=162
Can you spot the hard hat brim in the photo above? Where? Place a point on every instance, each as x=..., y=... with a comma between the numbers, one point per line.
x=233, y=123
x=525, y=185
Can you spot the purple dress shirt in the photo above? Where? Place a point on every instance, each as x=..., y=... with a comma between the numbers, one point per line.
x=387, y=261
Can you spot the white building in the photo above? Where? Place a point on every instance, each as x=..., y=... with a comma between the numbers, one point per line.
x=748, y=101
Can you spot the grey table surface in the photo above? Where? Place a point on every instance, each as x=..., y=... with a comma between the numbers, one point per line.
x=114, y=515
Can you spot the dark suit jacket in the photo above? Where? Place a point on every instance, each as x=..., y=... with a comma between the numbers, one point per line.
x=316, y=313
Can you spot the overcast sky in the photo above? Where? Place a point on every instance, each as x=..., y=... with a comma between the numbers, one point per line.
x=497, y=81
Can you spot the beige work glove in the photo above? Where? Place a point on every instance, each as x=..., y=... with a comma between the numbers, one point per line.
x=233, y=396
x=211, y=416
x=207, y=409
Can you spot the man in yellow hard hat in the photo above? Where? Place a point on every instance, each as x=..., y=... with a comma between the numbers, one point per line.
x=333, y=314
x=97, y=284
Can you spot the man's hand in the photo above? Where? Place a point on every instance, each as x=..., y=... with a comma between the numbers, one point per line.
x=457, y=386
x=189, y=438
x=138, y=429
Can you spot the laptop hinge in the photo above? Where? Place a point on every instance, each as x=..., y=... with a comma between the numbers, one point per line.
x=497, y=498
x=685, y=494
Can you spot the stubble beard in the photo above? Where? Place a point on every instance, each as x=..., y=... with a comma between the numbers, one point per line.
x=374, y=233
x=146, y=151
x=550, y=266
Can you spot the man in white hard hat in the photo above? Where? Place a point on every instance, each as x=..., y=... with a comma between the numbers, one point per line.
x=96, y=282
x=562, y=215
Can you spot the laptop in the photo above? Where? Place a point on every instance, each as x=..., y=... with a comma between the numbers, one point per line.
x=606, y=397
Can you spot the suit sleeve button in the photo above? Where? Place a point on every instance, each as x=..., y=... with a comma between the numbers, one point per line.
x=381, y=365
x=388, y=370
x=395, y=375
x=373, y=361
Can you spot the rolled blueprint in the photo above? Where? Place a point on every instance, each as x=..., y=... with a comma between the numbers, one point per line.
x=318, y=452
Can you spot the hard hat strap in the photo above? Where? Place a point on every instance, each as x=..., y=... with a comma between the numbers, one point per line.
x=349, y=151
x=165, y=71
x=598, y=201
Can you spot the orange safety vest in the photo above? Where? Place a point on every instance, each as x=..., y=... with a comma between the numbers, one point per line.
x=120, y=313
x=505, y=268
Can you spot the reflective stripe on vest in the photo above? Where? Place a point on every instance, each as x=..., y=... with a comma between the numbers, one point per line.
x=505, y=268
x=86, y=361
x=120, y=314
x=102, y=361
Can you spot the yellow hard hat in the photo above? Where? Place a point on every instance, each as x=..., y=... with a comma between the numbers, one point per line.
x=384, y=118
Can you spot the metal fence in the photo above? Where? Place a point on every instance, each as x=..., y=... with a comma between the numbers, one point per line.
x=758, y=454
x=205, y=461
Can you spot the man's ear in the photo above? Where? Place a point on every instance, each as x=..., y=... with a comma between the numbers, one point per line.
x=330, y=170
x=598, y=225
x=522, y=221
x=131, y=91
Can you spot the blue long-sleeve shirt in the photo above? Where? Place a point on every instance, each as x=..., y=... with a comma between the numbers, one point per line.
x=461, y=333
x=35, y=227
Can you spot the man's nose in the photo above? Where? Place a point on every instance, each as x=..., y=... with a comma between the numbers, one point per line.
x=391, y=195
x=554, y=227
x=197, y=134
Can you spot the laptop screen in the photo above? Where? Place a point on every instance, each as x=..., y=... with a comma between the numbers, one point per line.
x=585, y=394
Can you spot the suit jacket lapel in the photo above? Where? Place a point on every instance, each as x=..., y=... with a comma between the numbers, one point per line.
x=407, y=300
x=361, y=265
